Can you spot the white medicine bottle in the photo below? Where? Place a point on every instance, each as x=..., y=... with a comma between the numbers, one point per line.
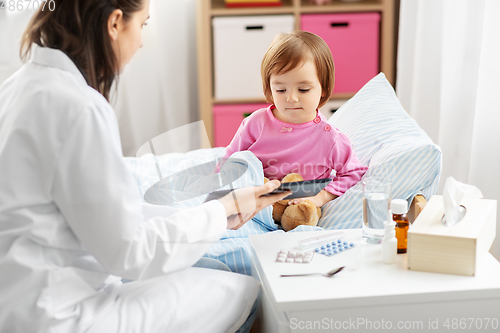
x=389, y=243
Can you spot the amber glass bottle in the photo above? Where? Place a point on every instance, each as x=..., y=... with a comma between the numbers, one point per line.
x=399, y=209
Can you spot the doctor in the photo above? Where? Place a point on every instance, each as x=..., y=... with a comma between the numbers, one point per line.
x=71, y=219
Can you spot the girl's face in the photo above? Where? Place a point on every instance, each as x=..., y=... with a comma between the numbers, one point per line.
x=296, y=94
x=126, y=36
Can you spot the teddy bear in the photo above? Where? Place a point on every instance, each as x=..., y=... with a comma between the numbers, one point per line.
x=291, y=216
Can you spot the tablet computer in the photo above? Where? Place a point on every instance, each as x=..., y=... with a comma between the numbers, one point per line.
x=302, y=189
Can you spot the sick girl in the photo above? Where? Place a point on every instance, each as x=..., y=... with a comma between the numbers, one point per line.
x=291, y=136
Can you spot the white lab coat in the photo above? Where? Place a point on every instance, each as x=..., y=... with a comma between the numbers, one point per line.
x=72, y=222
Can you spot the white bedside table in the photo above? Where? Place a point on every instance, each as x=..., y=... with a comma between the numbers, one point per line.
x=368, y=295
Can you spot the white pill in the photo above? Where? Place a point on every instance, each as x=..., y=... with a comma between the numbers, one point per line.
x=280, y=259
x=284, y=251
x=298, y=260
x=289, y=260
x=281, y=254
x=307, y=260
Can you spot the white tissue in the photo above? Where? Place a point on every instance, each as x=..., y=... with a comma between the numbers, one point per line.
x=457, y=194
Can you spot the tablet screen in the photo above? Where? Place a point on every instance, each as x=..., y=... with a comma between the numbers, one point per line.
x=302, y=189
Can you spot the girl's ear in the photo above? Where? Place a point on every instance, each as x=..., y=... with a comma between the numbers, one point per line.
x=115, y=22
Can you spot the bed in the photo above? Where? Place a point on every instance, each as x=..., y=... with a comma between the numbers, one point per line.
x=384, y=137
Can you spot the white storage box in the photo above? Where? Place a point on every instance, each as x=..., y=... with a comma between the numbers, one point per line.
x=239, y=44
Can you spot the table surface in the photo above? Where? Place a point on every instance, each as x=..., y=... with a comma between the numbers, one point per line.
x=365, y=280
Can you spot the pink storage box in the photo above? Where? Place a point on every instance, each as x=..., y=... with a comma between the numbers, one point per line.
x=227, y=119
x=353, y=39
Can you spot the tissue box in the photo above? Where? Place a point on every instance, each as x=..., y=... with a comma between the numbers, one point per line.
x=434, y=247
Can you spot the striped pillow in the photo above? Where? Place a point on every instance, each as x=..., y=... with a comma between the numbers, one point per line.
x=391, y=143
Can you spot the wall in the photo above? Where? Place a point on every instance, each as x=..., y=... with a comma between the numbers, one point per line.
x=12, y=25
x=158, y=89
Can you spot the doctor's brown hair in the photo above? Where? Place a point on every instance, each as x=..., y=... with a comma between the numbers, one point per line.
x=79, y=28
x=289, y=51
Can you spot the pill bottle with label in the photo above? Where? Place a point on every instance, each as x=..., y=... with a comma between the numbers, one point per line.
x=399, y=208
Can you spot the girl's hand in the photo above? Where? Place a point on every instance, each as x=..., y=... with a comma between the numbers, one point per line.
x=244, y=203
x=319, y=199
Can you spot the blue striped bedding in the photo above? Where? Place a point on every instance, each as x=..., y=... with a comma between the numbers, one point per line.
x=233, y=248
x=382, y=134
x=390, y=143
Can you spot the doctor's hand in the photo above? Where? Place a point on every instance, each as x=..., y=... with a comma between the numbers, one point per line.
x=244, y=203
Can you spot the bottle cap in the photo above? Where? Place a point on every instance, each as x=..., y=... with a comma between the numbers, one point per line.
x=399, y=206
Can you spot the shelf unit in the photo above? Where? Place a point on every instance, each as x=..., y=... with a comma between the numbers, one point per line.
x=207, y=9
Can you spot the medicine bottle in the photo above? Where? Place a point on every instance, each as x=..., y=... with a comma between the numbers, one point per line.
x=399, y=209
x=389, y=243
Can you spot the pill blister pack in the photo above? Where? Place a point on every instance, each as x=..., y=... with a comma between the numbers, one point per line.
x=335, y=247
x=314, y=242
x=294, y=256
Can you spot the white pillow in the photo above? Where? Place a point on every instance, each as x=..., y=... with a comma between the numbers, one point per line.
x=390, y=143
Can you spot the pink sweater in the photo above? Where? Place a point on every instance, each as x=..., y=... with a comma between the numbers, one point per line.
x=311, y=149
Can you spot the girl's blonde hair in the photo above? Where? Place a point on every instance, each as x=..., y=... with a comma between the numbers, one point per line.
x=289, y=51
